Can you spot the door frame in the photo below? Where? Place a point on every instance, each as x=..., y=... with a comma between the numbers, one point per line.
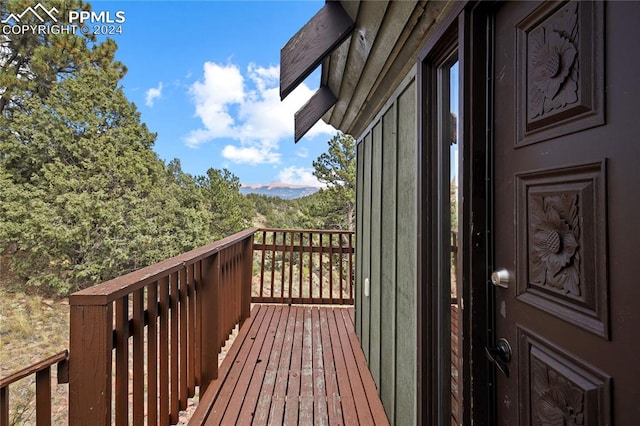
x=468, y=27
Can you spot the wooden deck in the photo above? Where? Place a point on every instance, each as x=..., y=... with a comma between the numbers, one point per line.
x=293, y=365
x=456, y=385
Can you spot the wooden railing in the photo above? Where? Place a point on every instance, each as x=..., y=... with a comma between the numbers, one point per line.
x=42, y=371
x=302, y=266
x=141, y=343
x=166, y=322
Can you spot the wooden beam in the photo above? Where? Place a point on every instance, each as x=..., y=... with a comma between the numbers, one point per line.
x=313, y=110
x=308, y=48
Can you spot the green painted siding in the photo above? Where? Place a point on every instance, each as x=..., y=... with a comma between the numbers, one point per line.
x=366, y=245
x=387, y=385
x=359, y=232
x=386, y=252
x=406, y=238
x=376, y=207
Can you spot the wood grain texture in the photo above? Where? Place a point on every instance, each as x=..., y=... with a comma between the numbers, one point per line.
x=174, y=357
x=309, y=46
x=362, y=43
x=210, y=323
x=4, y=406
x=152, y=354
x=59, y=358
x=185, y=346
x=112, y=290
x=294, y=365
x=376, y=244
x=90, y=375
x=307, y=116
x=366, y=70
x=248, y=411
x=292, y=281
x=388, y=261
x=382, y=52
x=122, y=360
x=163, y=340
x=406, y=259
x=360, y=167
x=365, y=254
x=43, y=397
x=333, y=65
x=138, y=357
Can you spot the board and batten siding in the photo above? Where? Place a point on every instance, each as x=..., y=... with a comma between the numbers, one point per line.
x=386, y=226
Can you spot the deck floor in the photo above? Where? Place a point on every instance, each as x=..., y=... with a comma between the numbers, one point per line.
x=293, y=365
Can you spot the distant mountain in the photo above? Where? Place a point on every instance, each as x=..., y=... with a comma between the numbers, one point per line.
x=278, y=189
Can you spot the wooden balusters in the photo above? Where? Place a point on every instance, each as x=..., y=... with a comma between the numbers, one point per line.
x=193, y=302
x=42, y=372
x=302, y=266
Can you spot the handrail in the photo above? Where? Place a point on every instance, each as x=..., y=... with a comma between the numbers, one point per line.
x=34, y=368
x=42, y=370
x=109, y=291
x=175, y=315
x=304, y=266
x=306, y=231
x=170, y=320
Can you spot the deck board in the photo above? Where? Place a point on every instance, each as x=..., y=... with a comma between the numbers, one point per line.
x=456, y=391
x=293, y=365
x=250, y=401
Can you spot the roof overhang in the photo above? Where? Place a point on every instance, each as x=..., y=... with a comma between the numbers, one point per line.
x=366, y=49
x=302, y=55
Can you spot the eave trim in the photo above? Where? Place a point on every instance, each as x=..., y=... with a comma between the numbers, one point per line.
x=314, y=42
x=313, y=110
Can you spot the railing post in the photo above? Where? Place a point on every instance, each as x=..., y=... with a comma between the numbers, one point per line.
x=4, y=406
x=210, y=327
x=90, y=346
x=247, y=279
x=43, y=397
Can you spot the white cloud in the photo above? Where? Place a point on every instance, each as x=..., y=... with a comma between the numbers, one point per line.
x=298, y=176
x=302, y=152
x=246, y=109
x=250, y=154
x=153, y=94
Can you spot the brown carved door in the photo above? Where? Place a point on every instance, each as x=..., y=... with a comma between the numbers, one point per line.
x=566, y=157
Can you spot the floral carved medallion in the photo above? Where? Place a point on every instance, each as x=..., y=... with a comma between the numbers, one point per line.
x=561, y=239
x=553, y=63
x=557, y=388
x=559, y=60
x=554, y=232
x=556, y=401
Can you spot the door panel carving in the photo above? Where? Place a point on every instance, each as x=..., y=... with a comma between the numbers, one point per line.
x=557, y=388
x=560, y=65
x=561, y=244
x=566, y=197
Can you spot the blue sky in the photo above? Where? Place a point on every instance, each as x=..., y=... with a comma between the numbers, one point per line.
x=204, y=76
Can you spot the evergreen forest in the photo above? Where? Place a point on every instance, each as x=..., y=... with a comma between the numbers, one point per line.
x=83, y=196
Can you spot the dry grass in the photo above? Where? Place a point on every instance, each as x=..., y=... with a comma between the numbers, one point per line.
x=31, y=329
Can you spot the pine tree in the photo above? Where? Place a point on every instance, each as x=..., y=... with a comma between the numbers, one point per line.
x=30, y=63
x=81, y=193
x=337, y=169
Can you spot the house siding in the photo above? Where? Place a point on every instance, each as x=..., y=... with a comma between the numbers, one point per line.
x=386, y=251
